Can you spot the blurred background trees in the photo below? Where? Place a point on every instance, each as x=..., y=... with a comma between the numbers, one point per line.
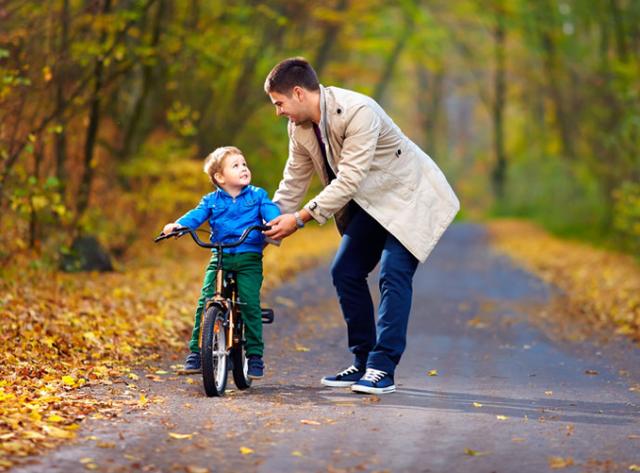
x=107, y=107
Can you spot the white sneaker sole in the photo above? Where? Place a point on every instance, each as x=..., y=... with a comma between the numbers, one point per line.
x=336, y=384
x=356, y=388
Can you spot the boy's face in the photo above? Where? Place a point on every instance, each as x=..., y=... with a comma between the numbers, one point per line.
x=235, y=173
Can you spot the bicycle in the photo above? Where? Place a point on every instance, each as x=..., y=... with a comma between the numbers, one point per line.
x=222, y=328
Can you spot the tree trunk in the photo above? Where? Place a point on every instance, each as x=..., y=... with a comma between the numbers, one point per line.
x=92, y=129
x=131, y=139
x=498, y=173
x=430, y=102
x=329, y=35
x=392, y=59
x=61, y=76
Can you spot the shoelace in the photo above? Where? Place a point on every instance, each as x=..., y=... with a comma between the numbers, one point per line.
x=373, y=375
x=350, y=370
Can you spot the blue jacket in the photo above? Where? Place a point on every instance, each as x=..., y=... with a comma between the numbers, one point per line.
x=229, y=217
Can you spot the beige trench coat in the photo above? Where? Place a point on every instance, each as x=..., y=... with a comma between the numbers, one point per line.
x=376, y=165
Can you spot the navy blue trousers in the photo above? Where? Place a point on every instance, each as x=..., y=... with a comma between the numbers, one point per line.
x=364, y=244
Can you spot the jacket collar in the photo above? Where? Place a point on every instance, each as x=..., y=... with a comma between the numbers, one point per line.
x=226, y=195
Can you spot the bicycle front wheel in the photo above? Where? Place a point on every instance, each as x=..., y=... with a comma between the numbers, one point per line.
x=214, y=352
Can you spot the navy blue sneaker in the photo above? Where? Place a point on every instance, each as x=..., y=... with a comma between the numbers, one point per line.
x=192, y=363
x=344, y=378
x=256, y=367
x=374, y=382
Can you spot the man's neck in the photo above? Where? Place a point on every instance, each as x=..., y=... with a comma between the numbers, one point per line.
x=315, y=107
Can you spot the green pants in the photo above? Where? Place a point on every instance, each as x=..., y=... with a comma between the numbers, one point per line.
x=248, y=269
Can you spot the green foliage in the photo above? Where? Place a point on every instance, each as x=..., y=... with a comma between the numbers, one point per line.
x=627, y=215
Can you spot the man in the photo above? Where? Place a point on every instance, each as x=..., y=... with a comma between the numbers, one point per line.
x=390, y=201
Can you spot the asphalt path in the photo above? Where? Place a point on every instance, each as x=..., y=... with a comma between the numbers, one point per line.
x=492, y=381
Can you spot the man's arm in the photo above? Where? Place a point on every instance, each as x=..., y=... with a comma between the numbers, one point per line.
x=296, y=177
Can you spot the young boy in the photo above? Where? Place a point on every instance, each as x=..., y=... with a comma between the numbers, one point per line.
x=233, y=207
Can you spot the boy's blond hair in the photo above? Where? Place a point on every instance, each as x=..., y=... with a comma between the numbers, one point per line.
x=215, y=161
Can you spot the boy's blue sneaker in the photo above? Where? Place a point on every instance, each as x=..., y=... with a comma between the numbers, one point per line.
x=192, y=363
x=344, y=378
x=256, y=367
x=374, y=382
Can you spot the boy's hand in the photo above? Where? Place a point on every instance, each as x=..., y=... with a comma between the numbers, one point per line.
x=169, y=227
x=281, y=227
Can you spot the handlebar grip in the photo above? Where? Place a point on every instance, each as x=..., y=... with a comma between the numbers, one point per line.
x=176, y=233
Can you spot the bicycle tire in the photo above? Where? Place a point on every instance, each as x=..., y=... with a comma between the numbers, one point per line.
x=213, y=354
x=239, y=365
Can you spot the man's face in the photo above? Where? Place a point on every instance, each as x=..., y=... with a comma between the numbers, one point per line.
x=293, y=106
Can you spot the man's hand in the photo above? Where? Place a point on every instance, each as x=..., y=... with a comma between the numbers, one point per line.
x=281, y=227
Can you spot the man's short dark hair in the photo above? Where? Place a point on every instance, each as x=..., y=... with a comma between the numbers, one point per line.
x=287, y=74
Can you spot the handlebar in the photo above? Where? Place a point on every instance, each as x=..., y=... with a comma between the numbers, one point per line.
x=184, y=230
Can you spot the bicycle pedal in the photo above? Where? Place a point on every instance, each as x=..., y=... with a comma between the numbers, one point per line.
x=267, y=316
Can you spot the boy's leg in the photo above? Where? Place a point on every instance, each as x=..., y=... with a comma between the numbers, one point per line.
x=358, y=254
x=248, y=268
x=208, y=288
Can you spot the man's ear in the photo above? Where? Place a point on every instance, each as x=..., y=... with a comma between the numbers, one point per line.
x=298, y=92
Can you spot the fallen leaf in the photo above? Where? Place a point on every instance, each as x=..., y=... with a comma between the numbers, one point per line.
x=197, y=469
x=154, y=377
x=477, y=404
x=559, y=462
x=302, y=348
x=176, y=436
x=55, y=418
x=296, y=453
x=86, y=460
x=591, y=372
x=474, y=453
x=106, y=445
x=518, y=439
x=432, y=373
x=246, y=450
x=285, y=301
x=476, y=322
x=162, y=372
x=309, y=422
x=68, y=380
x=548, y=393
x=501, y=417
x=634, y=467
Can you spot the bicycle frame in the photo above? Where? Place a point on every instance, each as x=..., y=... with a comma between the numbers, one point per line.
x=228, y=306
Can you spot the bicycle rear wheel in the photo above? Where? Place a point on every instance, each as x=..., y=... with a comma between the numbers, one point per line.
x=214, y=352
x=239, y=364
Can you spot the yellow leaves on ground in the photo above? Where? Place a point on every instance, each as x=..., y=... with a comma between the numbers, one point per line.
x=176, y=436
x=246, y=450
x=432, y=373
x=477, y=404
x=602, y=286
x=501, y=417
x=62, y=332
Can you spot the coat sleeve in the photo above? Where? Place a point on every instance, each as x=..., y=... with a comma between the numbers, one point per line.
x=196, y=217
x=358, y=150
x=296, y=177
